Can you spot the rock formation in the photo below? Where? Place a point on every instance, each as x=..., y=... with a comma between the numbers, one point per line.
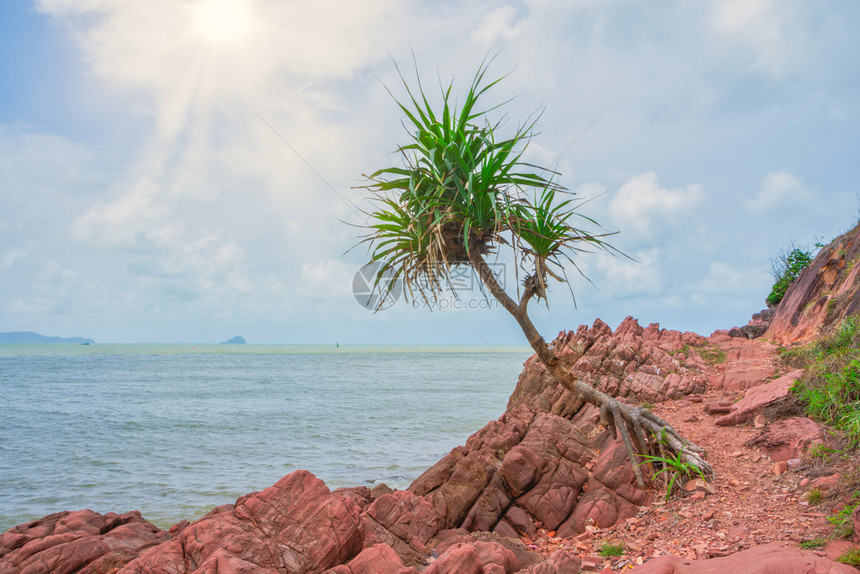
x=824, y=294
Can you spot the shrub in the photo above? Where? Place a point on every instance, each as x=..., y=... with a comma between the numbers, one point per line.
x=786, y=268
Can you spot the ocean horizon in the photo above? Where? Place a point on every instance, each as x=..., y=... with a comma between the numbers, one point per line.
x=174, y=430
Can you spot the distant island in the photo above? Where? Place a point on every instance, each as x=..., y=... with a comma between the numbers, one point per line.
x=31, y=337
x=237, y=340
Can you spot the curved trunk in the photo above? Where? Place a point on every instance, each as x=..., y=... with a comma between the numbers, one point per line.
x=628, y=420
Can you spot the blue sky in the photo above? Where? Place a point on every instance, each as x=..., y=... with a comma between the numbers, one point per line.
x=148, y=195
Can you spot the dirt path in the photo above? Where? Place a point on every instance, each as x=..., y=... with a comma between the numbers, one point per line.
x=750, y=504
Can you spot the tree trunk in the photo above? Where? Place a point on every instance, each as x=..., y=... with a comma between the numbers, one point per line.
x=634, y=423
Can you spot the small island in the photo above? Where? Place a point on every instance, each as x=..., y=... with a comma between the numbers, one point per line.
x=237, y=340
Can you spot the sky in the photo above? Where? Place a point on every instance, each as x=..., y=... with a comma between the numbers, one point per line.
x=191, y=170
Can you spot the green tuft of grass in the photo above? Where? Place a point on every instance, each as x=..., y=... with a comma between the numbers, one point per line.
x=814, y=543
x=610, y=548
x=850, y=556
x=713, y=356
x=814, y=496
x=844, y=519
x=675, y=467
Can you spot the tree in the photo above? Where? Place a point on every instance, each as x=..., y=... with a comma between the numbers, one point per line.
x=463, y=194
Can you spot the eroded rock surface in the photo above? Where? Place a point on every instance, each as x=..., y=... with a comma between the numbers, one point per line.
x=781, y=557
x=528, y=468
x=80, y=541
x=634, y=363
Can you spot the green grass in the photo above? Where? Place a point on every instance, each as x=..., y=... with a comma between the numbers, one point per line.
x=814, y=543
x=611, y=549
x=844, y=519
x=713, y=356
x=814, y=496
x=851, y=556
x=676, y=469
x=830, y=388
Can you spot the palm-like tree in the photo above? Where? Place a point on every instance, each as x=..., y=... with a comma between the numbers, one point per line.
x=463, y=194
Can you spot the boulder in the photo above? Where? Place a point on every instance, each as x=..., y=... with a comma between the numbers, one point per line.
x=528, y=468
x=71, y=541
x=782, y=557
x=297, y=526
x=562, y=561
x=377, y=559
x=789, y=438
x=769, y=399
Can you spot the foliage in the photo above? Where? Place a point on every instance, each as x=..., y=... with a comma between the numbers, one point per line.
x=850, y=556
x=814, y=496
x=844, y=519
x=464, y=189
x=676, y=469
x=611, y=549
x=786, y=268
x=830, y=389
x=713, y=356
x=814, y=543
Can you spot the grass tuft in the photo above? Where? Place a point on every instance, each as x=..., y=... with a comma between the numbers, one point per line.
x=611, y=548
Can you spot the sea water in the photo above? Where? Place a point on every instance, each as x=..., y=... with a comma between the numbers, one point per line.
x=175, y=430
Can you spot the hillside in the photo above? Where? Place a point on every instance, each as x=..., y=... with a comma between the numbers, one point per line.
x=31, y=337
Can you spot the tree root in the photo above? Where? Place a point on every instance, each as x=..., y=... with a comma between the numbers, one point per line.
x=640, y=429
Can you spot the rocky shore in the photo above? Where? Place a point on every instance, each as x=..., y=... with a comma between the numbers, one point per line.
x=544, y=488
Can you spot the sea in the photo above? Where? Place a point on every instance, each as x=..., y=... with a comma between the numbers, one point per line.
x=175, y=430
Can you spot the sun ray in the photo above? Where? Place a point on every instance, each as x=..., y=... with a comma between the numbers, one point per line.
x=222, y=21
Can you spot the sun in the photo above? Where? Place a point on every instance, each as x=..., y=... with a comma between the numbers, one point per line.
x=222, y=21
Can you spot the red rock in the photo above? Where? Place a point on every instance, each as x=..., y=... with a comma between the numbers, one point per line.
x=779, y=468
x=789, y=438
x=459, y=559
x=825, y=483
x=561, y=561
x=777, y=557
x=71, y=541
x=770, y=397
x=378, y=559
x=405, y=515
x=296, y=525
x=719, y=407
x=634, y=363
x=598, y=505
x=823, y=294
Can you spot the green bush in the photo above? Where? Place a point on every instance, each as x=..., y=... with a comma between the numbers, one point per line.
x=786, y=268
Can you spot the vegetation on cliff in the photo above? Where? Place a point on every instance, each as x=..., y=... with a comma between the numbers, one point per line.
x=786, y=268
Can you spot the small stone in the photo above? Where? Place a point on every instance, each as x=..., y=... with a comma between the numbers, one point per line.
x=826, y=483
x=737, y=454
x=735, y=534
x=779, y=468
x=760, y=421
x=794, y=463
x=804, y=482
x=698, y=495
x=691, y=419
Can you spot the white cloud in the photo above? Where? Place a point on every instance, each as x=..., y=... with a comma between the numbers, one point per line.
x=622, y=277
x=326, y=279
x=500, y=24
x=642, y=209
x=769, y=28
x=780, y=190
